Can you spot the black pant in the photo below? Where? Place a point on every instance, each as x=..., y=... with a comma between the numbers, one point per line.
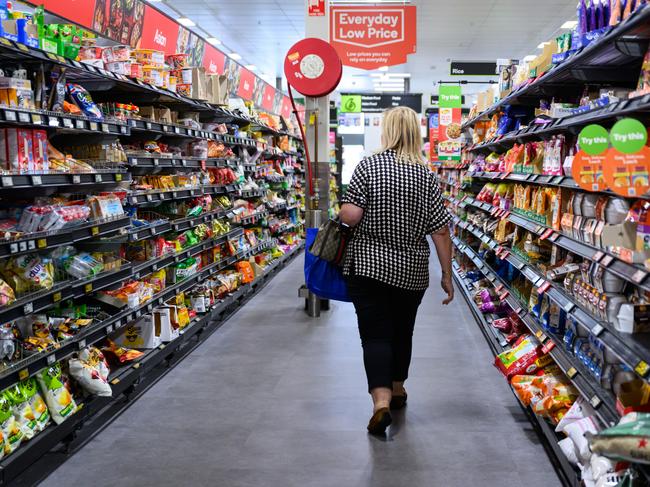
x=386, y=316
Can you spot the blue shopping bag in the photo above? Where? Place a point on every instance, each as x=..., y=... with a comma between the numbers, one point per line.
x=323, y=278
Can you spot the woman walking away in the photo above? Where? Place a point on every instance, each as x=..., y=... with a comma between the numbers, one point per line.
x=393, y=202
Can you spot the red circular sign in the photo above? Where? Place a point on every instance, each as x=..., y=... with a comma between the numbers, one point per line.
x=313, y=67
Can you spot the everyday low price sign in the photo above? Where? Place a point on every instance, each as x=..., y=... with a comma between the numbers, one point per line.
x=371, y=37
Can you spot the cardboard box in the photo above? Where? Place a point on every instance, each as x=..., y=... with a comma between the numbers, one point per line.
x=140, y=335
x=633, y=396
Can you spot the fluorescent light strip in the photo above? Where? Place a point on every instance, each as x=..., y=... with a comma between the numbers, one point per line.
x=234, y=55
x=214, y=41
x=184, y=21
x=251, y=67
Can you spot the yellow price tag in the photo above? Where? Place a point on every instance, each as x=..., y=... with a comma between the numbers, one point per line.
x=56, y=297
x=118, y=177
x=88, y=288
x=22, y=47
x=572, y=372
x=136, y=365
x=61, y=59
x=115, y=381
x=539, y=333
x=42, y=243
x=642, y=368
x=23, y=374
x=94, y=231
x=51, y=56
x=5, y=41
x=312, y=119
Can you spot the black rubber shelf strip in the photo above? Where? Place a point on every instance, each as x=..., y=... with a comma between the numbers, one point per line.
x=56, y=180
x=156, y=196
x=151, y=161
x=62, y=121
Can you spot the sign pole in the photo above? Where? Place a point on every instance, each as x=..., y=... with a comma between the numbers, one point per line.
x=317, y=138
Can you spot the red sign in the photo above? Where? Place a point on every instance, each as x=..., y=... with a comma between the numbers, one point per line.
x=159, y=32
x=214, y=61
x=316, y=8
x=371, y=37
x=286, y=107
x=246, y=84
x=268, y=98
x=77, y=11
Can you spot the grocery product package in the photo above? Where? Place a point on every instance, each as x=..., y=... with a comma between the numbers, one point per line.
x=59, y=400
x=12, y=436
x=627, y=441
x=91, y=371
x=523, y=358
x=29, y=409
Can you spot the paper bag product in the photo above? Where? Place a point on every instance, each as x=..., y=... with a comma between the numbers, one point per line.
x=20, y=153
x=39, y=144
x=199, y=84
x=58, y=398
x=163, y=326
x=140, y=335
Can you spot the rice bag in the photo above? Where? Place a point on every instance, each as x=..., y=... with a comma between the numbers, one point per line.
x=11, y=433
x=59, y=400
x=91, y=372
x=627, y=441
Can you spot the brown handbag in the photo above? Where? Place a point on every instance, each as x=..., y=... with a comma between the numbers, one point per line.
x=331, y=241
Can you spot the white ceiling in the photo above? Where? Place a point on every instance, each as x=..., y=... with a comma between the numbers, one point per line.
x=483, y=30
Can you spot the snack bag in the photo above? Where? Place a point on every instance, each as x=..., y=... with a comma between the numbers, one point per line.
x=23, y=412
x=91, y=372
x=120, y=355
x=32, y=270
x=523, y=358
x=58, y=398
x=29, y=389
x=11, y=432
x=629, y=441
x=80, y=96
x=246, y=270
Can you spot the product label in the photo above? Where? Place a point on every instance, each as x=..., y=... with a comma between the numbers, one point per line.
x=628, y=174
x=587, y=171
x=628, y=136
x=593, y=139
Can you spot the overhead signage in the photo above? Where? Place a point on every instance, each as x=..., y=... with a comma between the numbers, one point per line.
x=449, y=128
x=371, y=37
x=140, y=25
x=377, y=103
x=473, y=68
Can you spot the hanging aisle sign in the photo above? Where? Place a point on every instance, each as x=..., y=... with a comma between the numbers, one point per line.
x=449, y=128
x=371, y=37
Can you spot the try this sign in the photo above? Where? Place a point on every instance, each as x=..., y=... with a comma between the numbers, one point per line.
x=371, y=37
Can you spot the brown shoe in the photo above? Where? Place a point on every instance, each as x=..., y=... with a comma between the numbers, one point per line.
x=379, y=422
x=398, y=402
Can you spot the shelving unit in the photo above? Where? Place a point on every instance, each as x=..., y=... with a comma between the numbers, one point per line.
x=217, y=253
x=612, y=60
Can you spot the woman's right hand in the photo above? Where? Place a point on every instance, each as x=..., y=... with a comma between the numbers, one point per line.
x=447, y=285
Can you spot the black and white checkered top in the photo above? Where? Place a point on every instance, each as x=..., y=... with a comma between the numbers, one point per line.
x=402, y=205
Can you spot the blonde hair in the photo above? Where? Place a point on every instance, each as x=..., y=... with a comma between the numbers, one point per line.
x=400, y=131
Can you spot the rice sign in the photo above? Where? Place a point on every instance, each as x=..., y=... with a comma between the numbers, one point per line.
x=369, y=38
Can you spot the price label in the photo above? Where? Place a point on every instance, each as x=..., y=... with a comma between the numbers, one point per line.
x=156, y=162
x=42, y=243
x=109, y=329
x=553, y=237
x=80, y=124
x=88, y=288
x=597, y=330
x=571, y=373
x=540, y=334
x=595, y=402
x=166, y=128
x=607, y=260
x=31, y=245
x=76, y=179
x=56, y=297
x=504, y=295
x=53, y=121
x=82, y=343
x=36, y=180
x=642, y=368
x=98, y=178
x=118, y=178
x=37, y=119
x=106, y=128
x=24, y=117
x=22, y=47
x=51, y=359
x=123, y=129
x=28, y=308
x=568, y=307
x=148, y=125
x=93, y=126
x=9, y=115
x=544, y=287
x=149, y=197
x=94, y=231
x=7, y=181
x=23, y=374
x=639, y=276
x=177, y=130
x=548, y=346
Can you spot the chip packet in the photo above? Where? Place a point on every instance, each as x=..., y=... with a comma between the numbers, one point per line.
x=59, y=400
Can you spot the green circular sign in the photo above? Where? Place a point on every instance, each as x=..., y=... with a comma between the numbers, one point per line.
x=593, y=139
x=628, y=136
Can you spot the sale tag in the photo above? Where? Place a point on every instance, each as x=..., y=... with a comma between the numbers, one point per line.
x=642, y=368
x=546, y=234
x=544, y=287
x=571, y=373
x=548, y=346
x=504, y=295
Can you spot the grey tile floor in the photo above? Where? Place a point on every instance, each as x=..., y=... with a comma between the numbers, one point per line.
x=276, y=399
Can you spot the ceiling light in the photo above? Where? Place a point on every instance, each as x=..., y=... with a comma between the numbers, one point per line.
x=214, y=41
x=383, y=68
x=392, y=90
x=251, y=67
x=234, y=55
x=184, y=21
x=569, y=24
x=542, y=45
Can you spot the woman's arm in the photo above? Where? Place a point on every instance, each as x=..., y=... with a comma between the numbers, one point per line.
x=442, y=242
x=350, y=214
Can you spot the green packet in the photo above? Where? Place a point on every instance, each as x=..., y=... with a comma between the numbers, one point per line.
x=629, y=441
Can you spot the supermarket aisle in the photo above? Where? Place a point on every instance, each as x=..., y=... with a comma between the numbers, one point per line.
x=275, y=399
